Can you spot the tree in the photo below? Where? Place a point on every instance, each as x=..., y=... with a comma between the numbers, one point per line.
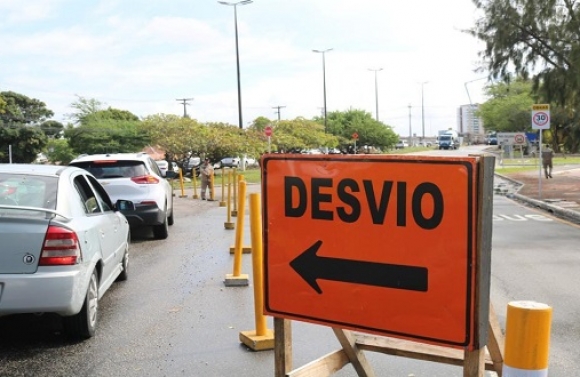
x=52, y=128
x=538, y=39
x=370, y=132
x=59, y=151
x=84, y=107
x=508, y=108
x=22, y=110
x=108, y=131
x=24, y=143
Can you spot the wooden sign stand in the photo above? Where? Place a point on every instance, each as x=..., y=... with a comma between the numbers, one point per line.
x=474, y=363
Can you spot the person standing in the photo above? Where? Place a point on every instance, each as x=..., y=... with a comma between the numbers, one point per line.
x=206, y=173
x=547, y=157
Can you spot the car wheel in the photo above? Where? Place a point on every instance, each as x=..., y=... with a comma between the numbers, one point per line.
x=84, y=323
x=170, y=219
x=124, y=275
x=161, y=231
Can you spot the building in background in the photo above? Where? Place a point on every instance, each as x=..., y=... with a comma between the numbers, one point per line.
x=469, y=125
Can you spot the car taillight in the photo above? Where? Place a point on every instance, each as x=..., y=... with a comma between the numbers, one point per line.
x=145, y=180
x=60, y=247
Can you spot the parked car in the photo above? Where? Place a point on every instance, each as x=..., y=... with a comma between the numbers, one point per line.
x=163, y=166
x=189, y=164
x=64, y=243
x=135, y=176
x=401, y=144
x=235, y=162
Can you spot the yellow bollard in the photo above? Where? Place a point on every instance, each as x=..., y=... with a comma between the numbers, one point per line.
x=235, y=183
x=237, y=278
x=211, y=196
x=194, y=184
x=229, y=225
x=527, y=339
x=181, y=185
x=245, y=249
x=262, y=338
x=222, y=201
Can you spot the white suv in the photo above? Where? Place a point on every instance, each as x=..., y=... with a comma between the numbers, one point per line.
x=135, y=177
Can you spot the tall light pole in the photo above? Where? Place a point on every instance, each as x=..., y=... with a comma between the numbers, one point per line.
x=423, y=110
x=235, y=5
x=376, y=92
x=323, y=52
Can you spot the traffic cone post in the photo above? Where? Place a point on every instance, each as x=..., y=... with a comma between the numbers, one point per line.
x=237, y=278
x=261, y=338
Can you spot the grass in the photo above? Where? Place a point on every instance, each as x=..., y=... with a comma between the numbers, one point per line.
x=518, y=165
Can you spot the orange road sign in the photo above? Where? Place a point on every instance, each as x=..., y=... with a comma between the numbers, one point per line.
x=376, y=243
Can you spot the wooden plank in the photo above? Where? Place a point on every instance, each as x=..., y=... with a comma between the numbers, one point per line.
x=414, y=350
x=355, y=355
x=324, y=366
x=484, y=235
x=282, y=347
x=473, y=363
x=495, y=343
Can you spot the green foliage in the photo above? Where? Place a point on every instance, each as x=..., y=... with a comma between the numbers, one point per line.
x=26, y=143
x=369, y=131
x=260, y=123
x=19, y=109
x=52, y=128
x=105, y=132
x=59, y=151
x=83, y=107
x=537, y=39
x=509, y=107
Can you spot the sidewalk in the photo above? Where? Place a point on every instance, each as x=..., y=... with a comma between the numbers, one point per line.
x=559, y=195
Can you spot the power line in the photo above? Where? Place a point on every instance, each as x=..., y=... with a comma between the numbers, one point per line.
x=185, y=102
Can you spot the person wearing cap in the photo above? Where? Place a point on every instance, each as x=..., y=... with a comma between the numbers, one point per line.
x=206, y=173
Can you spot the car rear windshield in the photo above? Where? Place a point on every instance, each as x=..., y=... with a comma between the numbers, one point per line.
x=23, y=190
x=113, y=168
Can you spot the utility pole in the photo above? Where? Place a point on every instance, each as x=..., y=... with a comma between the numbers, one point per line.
x=410, y=129
x=278, y=110
x=185, y=102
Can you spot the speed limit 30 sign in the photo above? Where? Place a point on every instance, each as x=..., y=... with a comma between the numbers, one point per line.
x=541, y=117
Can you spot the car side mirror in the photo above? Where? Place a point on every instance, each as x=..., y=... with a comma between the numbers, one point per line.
x=124, y=205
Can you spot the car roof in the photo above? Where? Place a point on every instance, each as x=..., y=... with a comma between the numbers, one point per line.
x=38, y=169
x=112, y=156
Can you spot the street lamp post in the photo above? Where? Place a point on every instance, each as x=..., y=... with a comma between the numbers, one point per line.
x=235, y=5
x=323, y=52
x=423, y=111
x=376, y=92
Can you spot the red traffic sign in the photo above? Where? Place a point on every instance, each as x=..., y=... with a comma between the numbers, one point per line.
x=520, y=139
x=355, y=136
x=370, y=255
x=268, y=131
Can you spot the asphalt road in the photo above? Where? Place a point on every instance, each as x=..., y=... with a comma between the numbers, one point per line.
x=175, y=317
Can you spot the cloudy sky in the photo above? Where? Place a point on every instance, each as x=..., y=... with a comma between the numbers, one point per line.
x=142, y=56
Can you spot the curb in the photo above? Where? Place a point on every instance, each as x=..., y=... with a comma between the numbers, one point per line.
x=558, y=211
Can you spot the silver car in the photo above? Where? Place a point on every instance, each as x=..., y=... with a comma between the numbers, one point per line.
x=63, y=245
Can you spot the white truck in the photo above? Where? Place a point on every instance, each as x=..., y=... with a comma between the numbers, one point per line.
x=448, y=139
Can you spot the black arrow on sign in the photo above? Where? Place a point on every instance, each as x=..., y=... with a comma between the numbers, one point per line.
x=311, y=267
